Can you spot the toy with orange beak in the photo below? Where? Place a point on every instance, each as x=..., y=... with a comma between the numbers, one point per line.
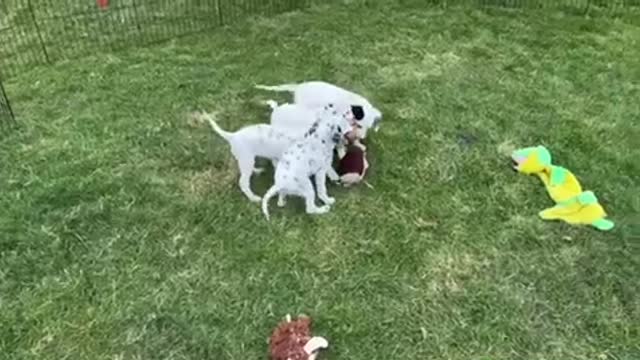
x=573, y=204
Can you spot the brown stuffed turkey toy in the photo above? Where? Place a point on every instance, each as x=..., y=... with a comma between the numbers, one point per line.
x=352, y=166
x=292, y=340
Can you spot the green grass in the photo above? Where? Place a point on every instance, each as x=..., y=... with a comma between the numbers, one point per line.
x=123, y=234
x=46, y=32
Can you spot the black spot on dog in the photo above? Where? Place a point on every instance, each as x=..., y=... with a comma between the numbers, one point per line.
x=312, y=129
x=358, y=112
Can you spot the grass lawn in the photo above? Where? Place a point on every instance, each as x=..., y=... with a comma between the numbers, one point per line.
x=123, y=234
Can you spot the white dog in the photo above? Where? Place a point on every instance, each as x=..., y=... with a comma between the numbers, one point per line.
x=297, y=118
x=316, y=94
x=310, y=156
x=260, y=140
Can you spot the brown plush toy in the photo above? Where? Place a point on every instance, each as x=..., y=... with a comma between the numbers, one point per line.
x=353, y=166
x=292, y=340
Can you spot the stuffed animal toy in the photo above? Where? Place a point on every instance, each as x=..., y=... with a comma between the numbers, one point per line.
x=573, y=205
x=352, y=166
x=292, y=340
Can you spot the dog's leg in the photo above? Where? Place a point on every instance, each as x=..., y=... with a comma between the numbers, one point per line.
x=306, y=190
x=321, y=188
x=332, y=174
x=282, y=200
x=246, y=164
x=342, y=151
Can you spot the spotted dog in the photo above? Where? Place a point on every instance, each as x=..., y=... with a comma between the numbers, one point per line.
x=260, y=140
x=296, y=119
x=316, y=94
x=310, y=156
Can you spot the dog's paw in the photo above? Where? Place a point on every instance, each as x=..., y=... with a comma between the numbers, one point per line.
x=342, y=152
x=282, y=201
x=323, y=209
x=329, y=200
x=333, y=175
x=320, y=210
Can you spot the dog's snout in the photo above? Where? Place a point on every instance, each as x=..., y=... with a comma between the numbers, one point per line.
x=376, y=122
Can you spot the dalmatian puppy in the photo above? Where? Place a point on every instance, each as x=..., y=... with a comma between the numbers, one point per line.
x=297, y=119
x=260, y=140
x=316, y=94
x=310, y=156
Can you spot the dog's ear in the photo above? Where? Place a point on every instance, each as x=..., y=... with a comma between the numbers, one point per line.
x=358, y=112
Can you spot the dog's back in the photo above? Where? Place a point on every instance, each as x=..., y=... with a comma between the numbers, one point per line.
x=263, y=140
x=315, y=94
x=294, y=117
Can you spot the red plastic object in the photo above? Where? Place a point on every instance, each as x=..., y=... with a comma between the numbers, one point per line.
x=102, y=4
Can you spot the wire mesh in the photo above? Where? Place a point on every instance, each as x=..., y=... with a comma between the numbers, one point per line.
x=6, y=114
x=36, y=32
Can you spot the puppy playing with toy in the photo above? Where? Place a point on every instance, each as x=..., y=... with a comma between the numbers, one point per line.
x=310, y=156
x=297, y=119
x=316, y=94
x=313, y=94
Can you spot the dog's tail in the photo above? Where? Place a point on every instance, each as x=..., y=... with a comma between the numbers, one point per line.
x=265, y=200
x=214, y=125
x=272, y=104
x=280, y=88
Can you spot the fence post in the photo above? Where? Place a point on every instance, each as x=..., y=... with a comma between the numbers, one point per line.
x=219, y=10
x=136, y=15
x=4, y=102
x=38, y=32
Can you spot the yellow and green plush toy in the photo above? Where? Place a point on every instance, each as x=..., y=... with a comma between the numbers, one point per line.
x=572, y=204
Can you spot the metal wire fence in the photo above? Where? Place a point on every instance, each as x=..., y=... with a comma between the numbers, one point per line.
x=34, y=32
x=6, y=114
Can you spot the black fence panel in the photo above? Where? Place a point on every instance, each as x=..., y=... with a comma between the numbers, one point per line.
x=34, y=32
x=6, y=114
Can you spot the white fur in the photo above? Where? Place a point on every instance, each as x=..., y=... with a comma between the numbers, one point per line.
x=310, y=156
x=297, y=119
x=292, y=116
x=316, y=94
x=260, y=140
